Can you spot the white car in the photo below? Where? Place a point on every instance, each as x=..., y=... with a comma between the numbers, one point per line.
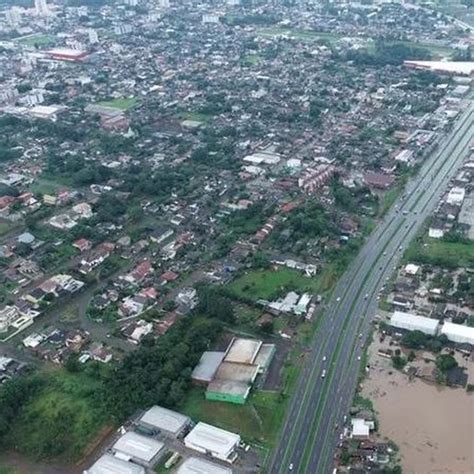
x=358, y=357
x=338, y=299
x=290, y=467
x=323, y=374
x=366, y=296
x=324, y=359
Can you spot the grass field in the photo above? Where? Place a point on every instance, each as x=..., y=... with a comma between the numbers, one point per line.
x=250, y=60
x=441, y=253
x=40, y=40
x=45, y=186
x=198, y=117
x=307, y=35
x=268, y=284
x=62, y=419
x=122, y=104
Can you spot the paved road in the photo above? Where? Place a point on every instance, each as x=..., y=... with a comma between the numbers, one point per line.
x=309, y=436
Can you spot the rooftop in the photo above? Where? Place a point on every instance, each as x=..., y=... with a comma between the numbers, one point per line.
x=138, y=446
x=109, y=464
x=194, y=465
x=213, y=439
x=242, y=351
x=165, y=419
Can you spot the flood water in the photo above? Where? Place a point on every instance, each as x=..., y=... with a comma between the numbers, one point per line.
x=433, y=426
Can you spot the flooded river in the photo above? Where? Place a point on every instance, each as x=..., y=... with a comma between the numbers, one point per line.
x=433, y=426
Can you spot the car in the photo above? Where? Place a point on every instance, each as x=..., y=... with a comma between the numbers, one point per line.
x=415, y=212
x=400, y=248
x=338, y=299
x=366, y=296
x=358, y=357
x=345, y=418
x=360, y=336
x=384, y=254
x=323, y=373
x=380, y=268
x=324, y=359
x=290, y=467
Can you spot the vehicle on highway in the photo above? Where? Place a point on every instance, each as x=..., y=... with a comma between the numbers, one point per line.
x=385, y=253
x=290, y=467
x=324, y=359
x=405, y=213
x=366, y=296
x=338, y=299
x=358, y=357
x=360, y=336
x=323, y=373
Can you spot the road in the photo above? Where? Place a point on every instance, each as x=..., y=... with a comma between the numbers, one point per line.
x=318, y=405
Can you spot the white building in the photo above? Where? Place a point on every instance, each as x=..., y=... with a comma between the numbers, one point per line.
x=213, y=441
x=164, y=3
x=140, y=449
x=41, y=8
x=194, y=465
x=93, y=36
x=109, y=464
x=456, y=196
x=162, y=419
x=458, y=333
x=412, y=322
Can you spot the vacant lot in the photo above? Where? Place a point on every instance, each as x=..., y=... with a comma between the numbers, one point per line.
x=122, y=104
x=270, y=284
x=441, y=253
x=62, y=419
x=40, y=40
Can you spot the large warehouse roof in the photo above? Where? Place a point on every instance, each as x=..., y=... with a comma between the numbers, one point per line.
x=212, y=439
x=164, y=419
x=458, y=333
x=138, y=446
x=109, y=464
x=242, y=351
x=413, y=322
x=207, y=367
x=194, y=465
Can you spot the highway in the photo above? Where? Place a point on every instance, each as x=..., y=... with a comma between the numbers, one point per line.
x=315, y=416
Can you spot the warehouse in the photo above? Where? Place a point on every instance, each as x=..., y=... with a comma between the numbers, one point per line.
x=194, y=465
x=242, y=351
x=458, y=333
x=265, y=357
x=109, y=464
x=213, y=441
x=161, y=419
x=412, y=322
x=205, y=371
x=140, y=449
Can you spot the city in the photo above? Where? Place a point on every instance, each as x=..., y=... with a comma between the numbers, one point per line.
x=236, y=237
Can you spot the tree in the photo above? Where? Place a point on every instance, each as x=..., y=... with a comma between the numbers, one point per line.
x=399, y=362
x=446, y=362
x=414, y=340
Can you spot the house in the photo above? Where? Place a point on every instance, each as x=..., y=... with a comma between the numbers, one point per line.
x=82, y=244
x=137, y=330
x=139, y=273
x=161, y=234
x=100, y=353
x=168, y=277
x=83, y=210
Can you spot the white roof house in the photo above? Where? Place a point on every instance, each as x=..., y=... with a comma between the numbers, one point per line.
x=208, y=439
x=411, y=322
x=165, y=420
x=458, y=333
x=361, y=428
x=456, y=196
x=109, y=464
x=140, y=448
x=194, y=465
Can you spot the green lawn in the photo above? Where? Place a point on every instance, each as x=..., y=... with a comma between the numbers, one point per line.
x=45, y=186
x=250, y=60
x=258, y=420
x=6, y=226
x=122, y=104
x=269, y=284
x=441, y=253
x=196, y=116
x=300, y=34
x=41, y=40
x=62, y=419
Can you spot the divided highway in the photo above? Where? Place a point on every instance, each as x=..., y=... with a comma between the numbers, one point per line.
x=318, y=405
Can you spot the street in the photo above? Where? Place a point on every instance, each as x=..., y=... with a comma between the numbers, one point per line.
x=316, y=412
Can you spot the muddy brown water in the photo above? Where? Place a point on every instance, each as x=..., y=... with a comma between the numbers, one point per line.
x=433, y=426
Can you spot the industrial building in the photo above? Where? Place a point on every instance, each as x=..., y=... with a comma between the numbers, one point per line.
x=140, y=449
x=458, y=333
x=158, y=419
x=213, y=441
x=108, y=464
x=412, y=322
x=234, y=376
x=194, y=465
x=205, y=371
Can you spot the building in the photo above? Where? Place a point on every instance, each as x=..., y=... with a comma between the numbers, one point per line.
x=108, y=464
x=194, y=465
x=41, y=8
x=456, y=196
x=66, y=54
x=234, y=376
x=168, y=421
x=361, y=428
x=205, y=371
x=213, y=441
x=458, y=333
x=139, y=449
x=412, y=322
